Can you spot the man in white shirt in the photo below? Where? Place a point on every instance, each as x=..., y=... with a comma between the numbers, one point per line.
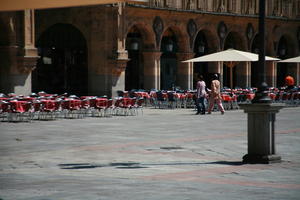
x=200, y=96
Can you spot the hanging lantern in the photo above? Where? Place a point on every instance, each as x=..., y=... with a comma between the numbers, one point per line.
x=169, y=46
x=134, y=45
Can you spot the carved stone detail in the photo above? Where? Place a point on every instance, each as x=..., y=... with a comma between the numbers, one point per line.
x=119, y=66
x=222, y=30
x=158, y=28
x=250, y=31
x=26, y=64
x=191, y=29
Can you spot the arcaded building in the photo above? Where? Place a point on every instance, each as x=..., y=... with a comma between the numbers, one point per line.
x=100, y=49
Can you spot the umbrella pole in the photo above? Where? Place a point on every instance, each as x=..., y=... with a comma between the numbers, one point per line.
x=231, y=78
x=298, y=74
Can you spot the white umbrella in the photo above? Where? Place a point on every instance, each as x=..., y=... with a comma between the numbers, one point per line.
x=291, y=60
x=230, y=57
x=294, y=60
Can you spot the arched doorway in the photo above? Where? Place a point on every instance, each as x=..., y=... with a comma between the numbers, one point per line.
x=255, y=65
x=200, y=49
x=168, y=61
x=134, y=71
x=233, y=41
x=62, y=66
x=282, y=68
x=4, y=55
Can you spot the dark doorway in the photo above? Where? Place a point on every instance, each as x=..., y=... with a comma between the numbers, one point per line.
x=168, y=62
x=62, y=66
x=232, y=42
x=201, y=68
x=134, y=71
x=282, y=53
x=255, y=70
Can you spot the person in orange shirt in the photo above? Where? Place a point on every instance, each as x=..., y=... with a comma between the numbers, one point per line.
x=289, y=82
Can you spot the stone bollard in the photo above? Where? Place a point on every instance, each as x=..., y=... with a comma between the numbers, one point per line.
x=261, y=132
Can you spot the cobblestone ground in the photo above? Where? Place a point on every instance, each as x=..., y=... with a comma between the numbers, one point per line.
x=162, y=154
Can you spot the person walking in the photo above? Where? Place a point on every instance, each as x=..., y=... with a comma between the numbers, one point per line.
x=215, y=95
x=200, y=96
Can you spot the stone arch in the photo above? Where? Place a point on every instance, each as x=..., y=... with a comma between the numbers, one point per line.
x=169, y=46
x=292, y=41
x=285, y=48
x=240, y=76
x=235, y=40
x=213, y=43
x=134, y=72
x=291, y=47
x=62, y=66
x=181, y=38
x=147, y=35
x=205, y=42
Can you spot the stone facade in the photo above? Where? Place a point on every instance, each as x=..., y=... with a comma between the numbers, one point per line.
x=142, y=46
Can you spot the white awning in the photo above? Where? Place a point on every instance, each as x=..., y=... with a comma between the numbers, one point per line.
x=291, y=60
x=230, y=55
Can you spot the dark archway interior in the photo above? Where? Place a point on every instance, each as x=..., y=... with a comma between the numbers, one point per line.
x=62, y=66
x=168, y=62
x=255, y=70
x=232, y=42
x=201, y=68
x=134, y=71
x=282, y=53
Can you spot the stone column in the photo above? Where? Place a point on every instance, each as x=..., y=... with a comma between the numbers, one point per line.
x=120, y=60
x=151, y=69
x=19, y=54
x=118, y=75
x=185, y=70
x=261, y=132
x=26, y=62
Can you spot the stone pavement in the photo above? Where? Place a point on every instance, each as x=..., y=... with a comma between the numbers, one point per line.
x=160, y=155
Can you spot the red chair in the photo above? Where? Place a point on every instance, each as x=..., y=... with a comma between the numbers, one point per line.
x=47, y=110
x=4, y=110
x=190, y=100
x=234, y=102
x=109, y=108
x=36, y=109
x=85, y=107
x=117, y=110
x=139, y=105
x=100, y=106
x=127, y=106
x=19, y=111
x=72, y=108
x=226, y=101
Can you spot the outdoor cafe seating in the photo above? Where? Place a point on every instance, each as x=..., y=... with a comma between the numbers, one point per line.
x=44, y=106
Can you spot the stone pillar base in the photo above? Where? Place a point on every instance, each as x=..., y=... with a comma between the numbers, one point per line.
x=261, y=159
